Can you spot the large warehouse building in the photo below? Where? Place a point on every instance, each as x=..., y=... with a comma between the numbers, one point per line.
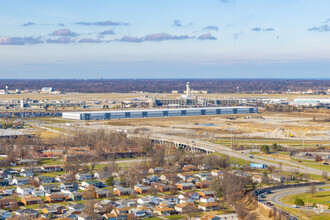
x=152, y=113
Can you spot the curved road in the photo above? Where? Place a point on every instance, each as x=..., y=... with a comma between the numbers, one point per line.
x=277, y=194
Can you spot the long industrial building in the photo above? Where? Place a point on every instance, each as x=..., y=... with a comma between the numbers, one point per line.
x=153, y=113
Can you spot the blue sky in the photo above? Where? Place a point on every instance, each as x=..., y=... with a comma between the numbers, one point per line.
x=165, y=39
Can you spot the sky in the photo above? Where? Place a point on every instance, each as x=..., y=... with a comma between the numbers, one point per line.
x=164, y=39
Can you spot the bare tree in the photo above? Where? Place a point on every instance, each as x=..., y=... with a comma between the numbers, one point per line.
x=89, y=193
x=240, y=210
x=318, y=158
x=325, y=175
x=89, y=209
x=312, y=188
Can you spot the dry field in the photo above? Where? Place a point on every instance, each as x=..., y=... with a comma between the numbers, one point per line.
x=271, y=126
x=129, y=96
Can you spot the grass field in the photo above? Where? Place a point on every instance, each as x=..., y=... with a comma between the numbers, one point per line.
x=320, y=197
x=236, y=160
x=51, y=161
x=306, y=215
x=258, y=142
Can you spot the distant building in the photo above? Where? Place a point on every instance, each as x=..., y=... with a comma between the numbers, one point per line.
x=47, y=90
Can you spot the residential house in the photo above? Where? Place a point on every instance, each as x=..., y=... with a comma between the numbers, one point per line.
x=164, y=188
x=71, y=215
x=27, y=213
x=19, y=181
x=186, y=200
x=50, y=188
x=44, y=179
x=31, y=200
x=164, y=211
x=203, y=167
x=206, y=207
x=217, y=173
x=138, y=213
x=125, y=202
x=150, y=180
x=189, y=168
x=38, y=193
x=185, y=207
x=50, y=210
x=52, y=168
x=94, y=183
x=203, y=176
x=185, y=186
x=185, y=176
x=156, y=170
x=24, y=190
x=163, y=178
x=27, y=162
x=60, y=208
x=170, y=198
x=109, y=216
x=191, y=195
x=5, y=214
x=121, y=191
x=4, y=182
x=75, y=196
x=144, y=200
x=206, y=193
x=257, y=178
x=55, y=198
x=9, y=173
x=141, y=189
x=148, y=210
x=102, y=193
x=65, y=178
x=86, y=217
x=70, y=186
x=203, y=184
x=6, y=192
x=83, y=176
x=207, y=199
x=27, y=173
x=120, y=213
x=7, y=203
x=102, y=175
x=76, y=207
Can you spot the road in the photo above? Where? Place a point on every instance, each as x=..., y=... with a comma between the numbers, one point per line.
x=274, y=198
x=288, y=166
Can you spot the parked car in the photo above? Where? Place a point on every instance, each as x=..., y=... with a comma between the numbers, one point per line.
x=269, y=203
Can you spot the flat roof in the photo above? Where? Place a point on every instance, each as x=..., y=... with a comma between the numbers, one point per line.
x=163, y=109
x=11, y=132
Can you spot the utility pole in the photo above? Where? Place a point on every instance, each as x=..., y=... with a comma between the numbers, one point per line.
x=231, y=135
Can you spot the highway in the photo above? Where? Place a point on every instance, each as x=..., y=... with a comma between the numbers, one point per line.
x=275, y=196
x=286, y=166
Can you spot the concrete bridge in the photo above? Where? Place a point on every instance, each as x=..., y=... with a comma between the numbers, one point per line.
x=187, y=145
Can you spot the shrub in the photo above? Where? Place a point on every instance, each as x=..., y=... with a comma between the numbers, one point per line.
x=265, y=149
x=298, y=201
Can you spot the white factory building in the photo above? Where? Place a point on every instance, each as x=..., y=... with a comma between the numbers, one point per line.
x=153, y=113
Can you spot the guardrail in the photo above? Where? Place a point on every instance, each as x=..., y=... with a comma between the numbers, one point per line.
x=263, y=190
x=272, y=210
